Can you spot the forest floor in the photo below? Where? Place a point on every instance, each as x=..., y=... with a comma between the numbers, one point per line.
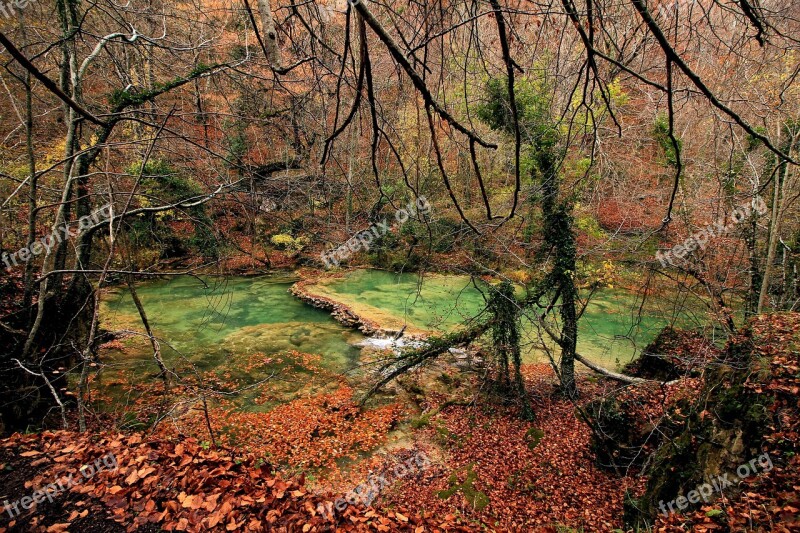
x=484, y=468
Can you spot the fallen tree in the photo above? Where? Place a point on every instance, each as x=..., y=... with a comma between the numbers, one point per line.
x=631, y=380
x=434, y=347
x=608, y=373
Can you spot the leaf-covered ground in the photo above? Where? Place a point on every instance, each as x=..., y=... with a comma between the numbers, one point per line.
x=166, y=485
x=488, y=470
x=765, y=502
x=512, y=475
x=502, y=474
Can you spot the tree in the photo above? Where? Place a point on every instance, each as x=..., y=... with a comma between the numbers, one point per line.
x=505, y=336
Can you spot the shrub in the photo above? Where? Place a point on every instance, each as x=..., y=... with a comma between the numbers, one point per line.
x=286, y=242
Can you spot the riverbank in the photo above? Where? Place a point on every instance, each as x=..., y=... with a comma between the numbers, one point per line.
x=545, y=486
x=339, y=311
x=220, y=468
x=616, y=324
x=385, y=303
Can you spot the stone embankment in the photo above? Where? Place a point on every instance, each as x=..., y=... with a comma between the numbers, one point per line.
x=340, y=312
x=380, y=338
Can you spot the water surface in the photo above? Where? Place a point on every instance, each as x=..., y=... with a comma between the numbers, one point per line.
x=614, y=328
x=237, y=331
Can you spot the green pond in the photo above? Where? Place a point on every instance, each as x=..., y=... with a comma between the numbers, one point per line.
x=241, y=330
x=614, y=328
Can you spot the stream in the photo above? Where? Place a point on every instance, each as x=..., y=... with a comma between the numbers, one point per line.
x=245, y=329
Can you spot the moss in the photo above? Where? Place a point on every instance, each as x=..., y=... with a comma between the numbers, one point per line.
x=287, y=242
x=736, y=405
x=661, y=135
x=477, y=499
x=413, y=388
x=716, y=433
x=421, y=422
x=122, y=99
x=533, y=436
x=445, y=378
x=447, y=437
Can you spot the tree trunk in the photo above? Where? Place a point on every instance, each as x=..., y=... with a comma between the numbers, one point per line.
x=780, y=185
x=33, y=179
x=561, y=242
x=569, y=338
x=774, y=228
x=754, y=288
x=270, y=34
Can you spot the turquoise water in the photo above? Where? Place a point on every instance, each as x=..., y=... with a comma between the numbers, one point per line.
x=235, y=332
x=434, y=302
x=611, y=330
x=213, y=318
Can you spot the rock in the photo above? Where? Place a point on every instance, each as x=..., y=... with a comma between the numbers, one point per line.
x=340, y=312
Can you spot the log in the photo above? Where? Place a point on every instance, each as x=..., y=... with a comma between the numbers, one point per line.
x=435, y=347
x=608, y=373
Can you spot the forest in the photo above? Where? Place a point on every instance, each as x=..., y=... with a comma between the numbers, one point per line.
x=400, y=265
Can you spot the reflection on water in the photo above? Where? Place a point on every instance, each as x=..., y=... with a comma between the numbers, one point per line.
x=611, y=330
x=207, y=323
x=241, y=330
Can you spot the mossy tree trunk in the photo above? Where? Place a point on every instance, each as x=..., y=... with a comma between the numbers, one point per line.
x=505, y=335
x=559, y=240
